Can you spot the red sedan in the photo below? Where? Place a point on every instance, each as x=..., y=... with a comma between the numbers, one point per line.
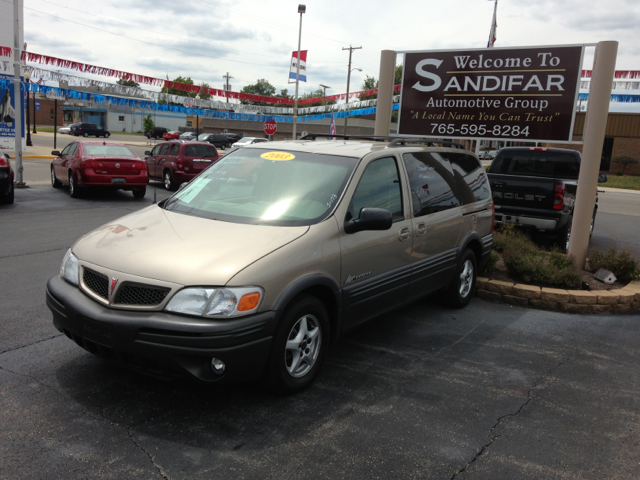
x=99, y=164
x=171, y=135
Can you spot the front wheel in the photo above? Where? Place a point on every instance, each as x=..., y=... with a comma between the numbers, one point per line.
x=169, y=184
x=107, y=135
x=461, y=289
x=55, y=183
x=299, y=346
x=85, y=134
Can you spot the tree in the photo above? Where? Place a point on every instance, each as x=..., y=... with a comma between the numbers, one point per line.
x=203, y=92
x=261, y=87
x=317, y=93
x=397, y=78
x=369, y=84
x=625, y=160
x=284, y=93
x=127, y=83
x=148, y=124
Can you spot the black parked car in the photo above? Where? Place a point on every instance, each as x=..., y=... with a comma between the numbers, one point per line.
x=219, y=140
x=88, y=129
x=233, y=137
x=6, y=179
x=157, y=132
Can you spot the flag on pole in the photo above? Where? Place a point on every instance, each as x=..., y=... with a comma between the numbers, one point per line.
x=332, y=128
x=294, y=66
x=494, y=27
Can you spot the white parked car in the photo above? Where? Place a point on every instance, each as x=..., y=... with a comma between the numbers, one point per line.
x=188, y=136
x=248, y=141
x=65, y=130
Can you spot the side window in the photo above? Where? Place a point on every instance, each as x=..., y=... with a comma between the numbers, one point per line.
x=472, y=172
x=73, y=149
x=67, y=149
x=379, y=187
x=432, y=183
x=175, y=148
x=155, y=150
x=164, y=149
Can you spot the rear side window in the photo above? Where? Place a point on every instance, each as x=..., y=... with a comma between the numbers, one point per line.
x=199, y=151
x=538, y=163
x=175, y=148
x=432, y=183
x=467, y=167
x=379, y=187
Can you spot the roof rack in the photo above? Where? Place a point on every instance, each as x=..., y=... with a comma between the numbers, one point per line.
x=393, y=141
x=375, y=138
x=428, y=141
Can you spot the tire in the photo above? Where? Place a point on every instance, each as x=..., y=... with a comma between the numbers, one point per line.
x=85, y=134
x=593, y=223
x=223, y=147
x=55, y=183
x=74, y=190
x=459, y=293
x=564, y=235
x=169, y=184
x=7, y=198
x=139, y=192
x=107, y=135
x=299, y=346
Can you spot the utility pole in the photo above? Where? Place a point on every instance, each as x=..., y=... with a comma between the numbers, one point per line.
x=17, y=121
x=227, y=87
x=324, y=90
x=351, y=49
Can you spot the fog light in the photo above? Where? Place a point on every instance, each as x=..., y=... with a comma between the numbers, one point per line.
x=217, y=366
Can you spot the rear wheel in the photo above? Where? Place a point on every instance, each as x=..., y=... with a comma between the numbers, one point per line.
x=564, y=235
x=593, y=223
x=74, y=190
x=55, y=183
x=461, y=289
x=169, y=184
x=299, y=346
x=107, y=135
x=139, y=192
x=85, y=134
x=7, y=198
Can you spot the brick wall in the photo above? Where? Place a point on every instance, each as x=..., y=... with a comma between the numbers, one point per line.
x=44, y=115
x=627, y=147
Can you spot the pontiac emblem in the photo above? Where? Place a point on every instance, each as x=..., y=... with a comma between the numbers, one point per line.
x=114, y=282
x=117, y=165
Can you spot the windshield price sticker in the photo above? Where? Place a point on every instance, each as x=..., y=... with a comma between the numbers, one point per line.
x=279, y=156
x=525, y=93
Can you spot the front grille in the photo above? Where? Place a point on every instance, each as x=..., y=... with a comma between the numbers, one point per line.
x=96, y=282
x=140, y=294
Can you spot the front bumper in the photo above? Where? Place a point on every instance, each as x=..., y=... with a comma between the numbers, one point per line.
x=162, y=344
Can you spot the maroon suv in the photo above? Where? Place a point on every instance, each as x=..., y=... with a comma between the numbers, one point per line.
x=177, y=162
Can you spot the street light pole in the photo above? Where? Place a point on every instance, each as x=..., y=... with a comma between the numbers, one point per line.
x=351, y=49
x=27, y=77
x=324, y=90
x=17, y=121
x=301, y=9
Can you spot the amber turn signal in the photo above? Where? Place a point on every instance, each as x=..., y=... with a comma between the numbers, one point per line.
x=248, y=302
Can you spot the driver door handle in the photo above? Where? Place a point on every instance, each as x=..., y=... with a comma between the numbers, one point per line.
x=404, y=234
x=421, y=229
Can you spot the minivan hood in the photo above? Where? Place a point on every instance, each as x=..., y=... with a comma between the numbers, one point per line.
x=183, y=249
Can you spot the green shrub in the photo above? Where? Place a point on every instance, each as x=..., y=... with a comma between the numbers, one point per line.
x=619, y=173
x=491, y=263
x=510, y=238
x=550, y=269
x=623, y=266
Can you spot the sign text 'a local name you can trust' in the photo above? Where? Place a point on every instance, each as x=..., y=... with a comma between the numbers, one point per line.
x=525, y=93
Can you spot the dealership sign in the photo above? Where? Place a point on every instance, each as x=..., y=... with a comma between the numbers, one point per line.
x=526, y=94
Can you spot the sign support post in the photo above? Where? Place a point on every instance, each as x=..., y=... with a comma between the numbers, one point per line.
x=604, y=65
x=17, y=93
x=385, y=92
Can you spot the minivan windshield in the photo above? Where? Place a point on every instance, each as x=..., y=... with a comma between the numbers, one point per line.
x=260, y=186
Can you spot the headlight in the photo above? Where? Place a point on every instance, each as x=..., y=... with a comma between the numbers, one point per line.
x=216, y=302
x=69, y=268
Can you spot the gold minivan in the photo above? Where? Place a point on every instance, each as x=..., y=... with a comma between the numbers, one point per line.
x=277, y=250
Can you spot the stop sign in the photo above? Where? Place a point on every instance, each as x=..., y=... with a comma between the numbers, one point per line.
x=270, y=127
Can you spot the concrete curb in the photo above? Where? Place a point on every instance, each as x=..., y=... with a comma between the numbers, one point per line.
x=34, y=156
x=623, y=300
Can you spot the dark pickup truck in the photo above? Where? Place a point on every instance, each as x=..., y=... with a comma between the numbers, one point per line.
x=535, y=188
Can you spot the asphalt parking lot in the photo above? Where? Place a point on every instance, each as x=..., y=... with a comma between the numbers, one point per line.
x=491, y=391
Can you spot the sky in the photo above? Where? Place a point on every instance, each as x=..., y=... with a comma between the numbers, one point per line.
x=251, y=39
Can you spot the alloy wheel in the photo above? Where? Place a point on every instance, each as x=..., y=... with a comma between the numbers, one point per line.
x=303, y=346
x=466, y=278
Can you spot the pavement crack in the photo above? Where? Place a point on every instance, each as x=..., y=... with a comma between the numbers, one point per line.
x=162, y=473
x=493, y=436
x=31, y=344
x=94, y=417
x=34, y=253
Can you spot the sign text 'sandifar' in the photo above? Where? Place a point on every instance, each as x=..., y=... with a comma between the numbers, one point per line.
x=524, y=93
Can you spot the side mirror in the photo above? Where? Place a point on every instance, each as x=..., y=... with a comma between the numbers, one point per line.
x=370, y=219
x=602, y=178
x=56, y=153
x=148, y=153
